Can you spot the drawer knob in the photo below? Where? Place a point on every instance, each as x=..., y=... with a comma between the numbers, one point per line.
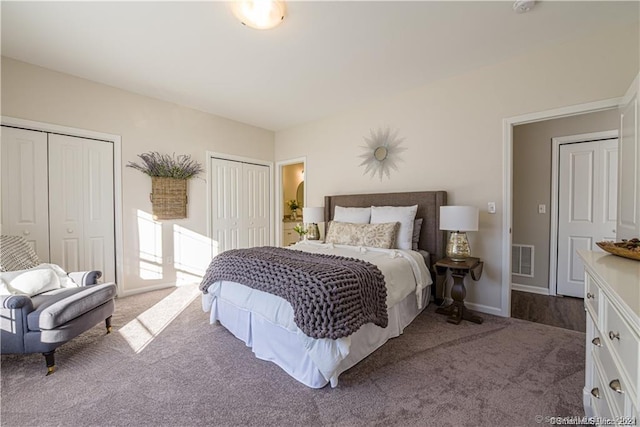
x=614, y=335
x=615, y=386
x=590, y=295
x=595, y=392
x=596, y=342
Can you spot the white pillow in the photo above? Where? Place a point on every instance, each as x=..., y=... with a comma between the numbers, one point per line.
x=33, y=281
x=30, y=282
x=352, y=215
x=402, y=214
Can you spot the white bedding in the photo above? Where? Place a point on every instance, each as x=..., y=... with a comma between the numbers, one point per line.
x=242, y=309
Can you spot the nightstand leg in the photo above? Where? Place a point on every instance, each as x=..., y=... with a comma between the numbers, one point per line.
x=457, y=310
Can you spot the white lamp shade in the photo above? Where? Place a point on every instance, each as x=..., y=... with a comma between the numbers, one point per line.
x=313, y=215
x=459, y=218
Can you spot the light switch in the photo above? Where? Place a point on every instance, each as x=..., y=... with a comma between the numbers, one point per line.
x=491, y=207
x=542, y=209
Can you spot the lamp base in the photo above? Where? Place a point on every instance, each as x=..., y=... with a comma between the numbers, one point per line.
x=313, y=232
x=458, y=246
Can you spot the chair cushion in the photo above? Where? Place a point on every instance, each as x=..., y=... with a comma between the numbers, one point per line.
x=57, y=307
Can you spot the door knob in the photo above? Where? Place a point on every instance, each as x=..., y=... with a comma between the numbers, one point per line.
x=26, y=232
x=69, y=230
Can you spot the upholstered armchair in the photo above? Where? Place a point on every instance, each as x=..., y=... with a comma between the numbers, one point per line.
x=42, y=307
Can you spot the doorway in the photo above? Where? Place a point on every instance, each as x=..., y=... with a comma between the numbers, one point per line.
x=291, y=185
x=529, y=208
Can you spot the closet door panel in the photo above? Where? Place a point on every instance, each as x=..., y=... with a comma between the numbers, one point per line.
x=99, y=219
x=257, y=197
x=25, y=210
x=66, y=202
x=81, y=200
x=227, y=207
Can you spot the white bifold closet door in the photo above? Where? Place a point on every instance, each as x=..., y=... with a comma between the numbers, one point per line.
x=240, y=211
x=58, y=193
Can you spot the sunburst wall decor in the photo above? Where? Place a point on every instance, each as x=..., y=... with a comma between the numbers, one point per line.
x=382, y=149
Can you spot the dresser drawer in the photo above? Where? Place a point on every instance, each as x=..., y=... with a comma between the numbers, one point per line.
x=610, y=379
x=624, y=343
x=592, y=297
x=599, y=395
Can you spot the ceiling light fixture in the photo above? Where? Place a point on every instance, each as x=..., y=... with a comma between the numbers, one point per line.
x=259, y=14
x=523, y=6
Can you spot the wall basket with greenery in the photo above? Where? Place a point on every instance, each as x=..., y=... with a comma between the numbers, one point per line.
x=169, y=176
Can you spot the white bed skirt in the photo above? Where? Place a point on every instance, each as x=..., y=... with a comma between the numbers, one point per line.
x=284, y=347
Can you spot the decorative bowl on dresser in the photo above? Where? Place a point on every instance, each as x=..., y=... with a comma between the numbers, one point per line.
x=612, y=368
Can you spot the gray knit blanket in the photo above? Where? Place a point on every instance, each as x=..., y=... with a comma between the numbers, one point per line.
x=332, y=296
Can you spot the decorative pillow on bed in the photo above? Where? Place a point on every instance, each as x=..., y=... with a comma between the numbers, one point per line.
x=417, y=226
x=353, y=215
x=405, y=215
x=381, y=235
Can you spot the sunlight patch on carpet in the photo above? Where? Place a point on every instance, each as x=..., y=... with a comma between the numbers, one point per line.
x=148, y=325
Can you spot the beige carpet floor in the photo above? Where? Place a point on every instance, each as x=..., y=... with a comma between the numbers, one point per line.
x=165, y=365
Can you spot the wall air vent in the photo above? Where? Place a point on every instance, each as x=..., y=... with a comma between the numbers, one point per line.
x=522, y=260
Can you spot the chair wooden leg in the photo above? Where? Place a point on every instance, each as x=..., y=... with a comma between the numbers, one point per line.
x=107, y=322
x=49, y=357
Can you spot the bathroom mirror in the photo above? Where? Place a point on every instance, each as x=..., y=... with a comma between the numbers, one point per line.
x=300, y=195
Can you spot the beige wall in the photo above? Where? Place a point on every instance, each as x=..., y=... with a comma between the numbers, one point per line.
x=532, y=182
x=453, y=130
x=144, y=124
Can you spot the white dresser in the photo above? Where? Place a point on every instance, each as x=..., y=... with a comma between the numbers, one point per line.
x=612, y=370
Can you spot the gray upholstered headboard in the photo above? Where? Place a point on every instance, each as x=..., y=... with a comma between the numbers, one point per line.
x=432, y=239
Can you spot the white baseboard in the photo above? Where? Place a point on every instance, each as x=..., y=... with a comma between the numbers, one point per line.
x=531, y=289
x=484, y=308
x=480, y=308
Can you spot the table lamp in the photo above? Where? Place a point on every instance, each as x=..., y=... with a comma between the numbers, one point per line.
x=311, y=217
x=458, y=220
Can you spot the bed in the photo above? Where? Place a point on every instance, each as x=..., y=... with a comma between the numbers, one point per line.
x=265, y=322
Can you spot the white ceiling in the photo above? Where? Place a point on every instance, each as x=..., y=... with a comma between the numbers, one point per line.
x=325, y=57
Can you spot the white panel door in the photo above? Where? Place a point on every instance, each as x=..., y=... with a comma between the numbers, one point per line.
x=629, y=195
x=226, y=209
x=25, y=210
x=81, y=204
x=257, y=196
x=588, y=174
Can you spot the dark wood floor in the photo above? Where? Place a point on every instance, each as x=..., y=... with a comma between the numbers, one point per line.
x=563, y=312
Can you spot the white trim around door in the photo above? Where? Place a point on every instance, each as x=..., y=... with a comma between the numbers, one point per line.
x=507, y=178
x=117, y=176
